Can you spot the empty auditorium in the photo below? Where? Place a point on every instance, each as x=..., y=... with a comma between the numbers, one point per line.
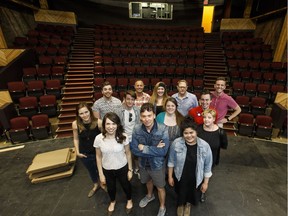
x=66, y=66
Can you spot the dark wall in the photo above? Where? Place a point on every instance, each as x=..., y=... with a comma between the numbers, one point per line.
x=13, y=71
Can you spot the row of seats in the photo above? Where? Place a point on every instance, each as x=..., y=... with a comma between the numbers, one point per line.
x=258, y=77
x=35, y=88
x=248, y=47
x=255, y=105
x=21, y=130
x=148, y=31
x=249, y=55
x=43, y=73
x=52, y=51
x=264, y=90
x=259, y=126
x=148, y=71
x=43, y=42
x=52, y=60
x=54, y=28
x=29, y=105
x=141, y=52
x=155, y=61
x=150, y=39
x=256, y=65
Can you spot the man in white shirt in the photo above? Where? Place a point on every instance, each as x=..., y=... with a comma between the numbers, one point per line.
x=129, y=115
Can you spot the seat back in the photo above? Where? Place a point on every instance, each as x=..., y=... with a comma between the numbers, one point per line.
x=41, y=120
x=47, y=100
x=40, y=126
x=19, y=123
x=28, y=102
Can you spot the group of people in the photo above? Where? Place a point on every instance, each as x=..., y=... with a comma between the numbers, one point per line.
x=153, y=137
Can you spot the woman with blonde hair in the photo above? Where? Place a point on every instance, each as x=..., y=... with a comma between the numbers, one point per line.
x=213, y=135
x=210, y=132
x=159, y=97
x=85, y=128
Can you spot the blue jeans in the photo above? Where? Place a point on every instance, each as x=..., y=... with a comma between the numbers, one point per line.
x=90, y=164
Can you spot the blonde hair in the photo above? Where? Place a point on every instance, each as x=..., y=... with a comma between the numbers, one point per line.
x=209, y=111
x=154, y=96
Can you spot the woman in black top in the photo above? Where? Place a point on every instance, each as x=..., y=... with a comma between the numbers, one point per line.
x=85, y=128
x=209, y=132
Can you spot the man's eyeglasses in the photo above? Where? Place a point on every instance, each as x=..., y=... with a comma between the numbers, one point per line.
x=130, y=117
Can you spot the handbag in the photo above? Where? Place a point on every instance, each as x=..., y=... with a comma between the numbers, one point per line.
x=223, y=139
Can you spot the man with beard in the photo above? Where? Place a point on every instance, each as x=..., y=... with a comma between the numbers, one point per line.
x=107, y=103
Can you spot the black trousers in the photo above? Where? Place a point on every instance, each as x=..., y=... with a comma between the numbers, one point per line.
x=111, y=177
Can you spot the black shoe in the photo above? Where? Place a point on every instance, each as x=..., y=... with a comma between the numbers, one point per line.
x=203, y=198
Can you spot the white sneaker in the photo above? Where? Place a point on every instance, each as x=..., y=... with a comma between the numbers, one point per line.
x=161, y=212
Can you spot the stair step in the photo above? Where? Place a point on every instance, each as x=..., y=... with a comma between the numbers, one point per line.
x=81, y=61
x=79, y=93
x=79, y=79
x=68, y=99
x=76, y=89
x=64, y=134
x=78, y=84
x=73, y=104
x=215, y=69
x=81, y=75
x=70, y=64
x=64, y=129
x=82, y=51
x=80, y=72
x=215, y=59
x=67, y=114
x=67, y=110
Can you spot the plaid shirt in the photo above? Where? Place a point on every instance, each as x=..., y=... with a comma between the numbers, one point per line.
x=143, y=99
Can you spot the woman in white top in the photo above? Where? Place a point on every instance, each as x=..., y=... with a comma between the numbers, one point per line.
x=113, y=158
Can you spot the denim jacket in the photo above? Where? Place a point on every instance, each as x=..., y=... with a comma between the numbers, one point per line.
x=177, y=156
x=151, y=153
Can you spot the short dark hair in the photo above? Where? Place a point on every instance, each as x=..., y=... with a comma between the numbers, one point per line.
x=131, y=93
x=106, y=83
x=147, y=107
x=205, y=92
x=188, y=122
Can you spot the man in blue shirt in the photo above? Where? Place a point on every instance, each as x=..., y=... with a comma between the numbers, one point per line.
x=150, y=142
x=185, y=100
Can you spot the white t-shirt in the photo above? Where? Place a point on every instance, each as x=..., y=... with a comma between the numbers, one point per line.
x=113, y=153
x=129, y=125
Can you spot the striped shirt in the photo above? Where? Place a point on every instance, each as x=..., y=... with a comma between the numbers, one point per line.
x=141, y=100
x=104, y=106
